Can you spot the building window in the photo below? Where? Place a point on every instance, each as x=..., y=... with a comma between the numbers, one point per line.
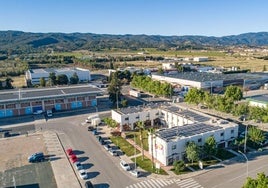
x=174, y=147
x=222, y=134
x=126, y=119
x=199, y=140
x=232, y=131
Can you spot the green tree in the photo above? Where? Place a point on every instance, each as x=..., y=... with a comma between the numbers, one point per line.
x=260, y=182
x=192, y=151
x=210, y=146
x=52, y=78
x=42, y=82
x=255, y=135
x=124, y=103
x=110, y=122
x=239, y=143
x=74, y=79
x=179, y=166
x=114, y=88
x=62, y=79
x=234, y=93
x=195, y=96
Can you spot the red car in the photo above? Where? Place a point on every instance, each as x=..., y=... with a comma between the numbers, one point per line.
x=70, y=151
x=73, y=158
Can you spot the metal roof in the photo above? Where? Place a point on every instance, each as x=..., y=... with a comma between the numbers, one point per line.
x=205, y=76
x=186, y=130
x=33, y=93
x=194, y=116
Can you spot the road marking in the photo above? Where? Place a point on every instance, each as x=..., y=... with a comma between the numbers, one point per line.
x=188, y=183
x=152, y=183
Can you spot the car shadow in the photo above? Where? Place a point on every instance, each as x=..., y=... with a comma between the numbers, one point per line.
x=78, y=152
x=82, y=159
x=54, y=158
x=101, y=185
x=92, y=174
x=87, y=165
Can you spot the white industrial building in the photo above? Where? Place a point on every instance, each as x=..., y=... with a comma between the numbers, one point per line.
x=180, y=126
x=169, y=145
x=214, y=82
x=200, y=59
x=258, y=101
x=34, y=75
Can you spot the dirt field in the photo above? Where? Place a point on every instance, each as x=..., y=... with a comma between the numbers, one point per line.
x=14, y=151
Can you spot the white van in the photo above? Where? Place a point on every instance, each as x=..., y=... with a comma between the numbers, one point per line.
x=89, y=118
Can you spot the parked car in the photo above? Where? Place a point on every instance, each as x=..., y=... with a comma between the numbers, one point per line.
x=38, y=112
x=91, y=128
x=135, y=173
x=78, y=166
x=95, y=132
x=83, y=174
x=73, y=158
x=113, y=152
x=124, y=165
x=7, y=134
x=70, y=151
x=88, y=184
x=107, y=147
x=36, y=157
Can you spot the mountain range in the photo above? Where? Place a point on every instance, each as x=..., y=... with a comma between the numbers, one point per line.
x=17, y=42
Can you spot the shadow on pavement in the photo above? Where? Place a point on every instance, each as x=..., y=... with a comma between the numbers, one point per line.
x=82, y=159
x=54, y=158
x=35, y=185
x=101, y=185
x=78, y=152
x=92, y=174
x=88, y=165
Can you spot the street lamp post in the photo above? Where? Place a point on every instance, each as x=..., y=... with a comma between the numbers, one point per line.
x=245, y=144
x=246, y=160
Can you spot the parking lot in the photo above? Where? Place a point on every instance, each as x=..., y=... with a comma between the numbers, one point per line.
x=15, y=168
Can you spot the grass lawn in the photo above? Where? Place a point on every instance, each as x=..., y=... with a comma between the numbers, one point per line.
x=224, y=154
x=138, y=141
x=146, y=165
x=126, y=147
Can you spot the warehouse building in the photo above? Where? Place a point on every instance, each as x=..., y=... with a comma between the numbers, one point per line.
x=214, y=82
x=258, y=101
x=18, y=102
x=179, y=126
x=33, y=75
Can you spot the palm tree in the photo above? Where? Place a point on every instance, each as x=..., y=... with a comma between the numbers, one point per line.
x=140, y=126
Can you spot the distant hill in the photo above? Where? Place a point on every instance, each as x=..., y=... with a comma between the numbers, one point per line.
x=13, y=42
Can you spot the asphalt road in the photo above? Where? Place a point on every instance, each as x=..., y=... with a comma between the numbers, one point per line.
x=102, y=168
x=234, y=174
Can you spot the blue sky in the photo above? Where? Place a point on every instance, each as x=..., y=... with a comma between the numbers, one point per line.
x=152, y=17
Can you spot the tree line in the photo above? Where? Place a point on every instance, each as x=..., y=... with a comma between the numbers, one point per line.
x=228, y=103
x=147, y=84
